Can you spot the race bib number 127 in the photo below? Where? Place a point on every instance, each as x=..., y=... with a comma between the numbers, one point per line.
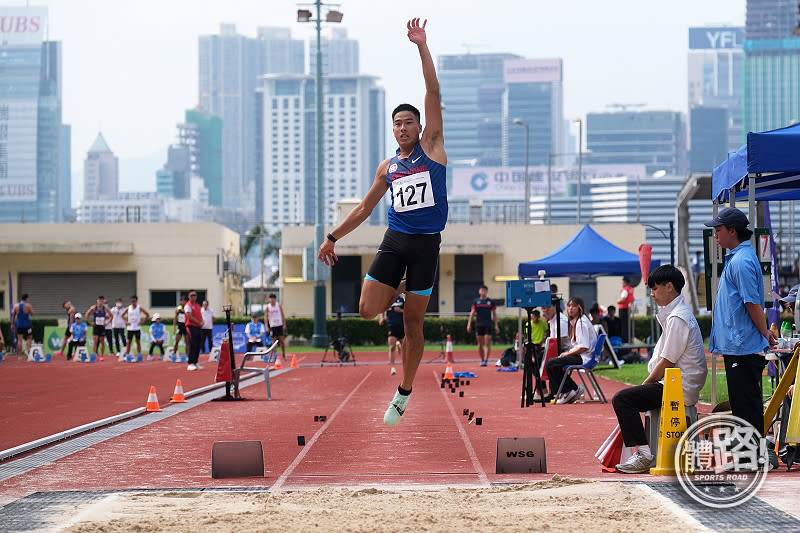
x=413, y=192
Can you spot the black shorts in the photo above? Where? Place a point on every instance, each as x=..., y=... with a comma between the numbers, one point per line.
x=25, y=331
x=181, y=328
x=135, y=333
x=98, y=331
x=68, y=333
x=397, y=330
x=276, y=331
x=483, y=330
x=415, y=255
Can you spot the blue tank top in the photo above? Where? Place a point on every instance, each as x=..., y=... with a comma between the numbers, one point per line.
x=23, y=318
x=419, y=193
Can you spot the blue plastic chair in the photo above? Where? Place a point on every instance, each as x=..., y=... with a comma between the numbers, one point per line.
x=588, y=370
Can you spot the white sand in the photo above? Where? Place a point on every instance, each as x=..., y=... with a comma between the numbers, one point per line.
x=555, y=505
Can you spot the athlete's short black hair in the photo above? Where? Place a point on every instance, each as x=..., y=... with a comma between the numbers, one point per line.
x=665, y=274
x=406, y=107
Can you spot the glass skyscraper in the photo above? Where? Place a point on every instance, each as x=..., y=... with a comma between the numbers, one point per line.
x=772, y=65
x=34, y=144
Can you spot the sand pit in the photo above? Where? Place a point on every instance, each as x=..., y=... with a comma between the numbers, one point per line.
x=555, y=505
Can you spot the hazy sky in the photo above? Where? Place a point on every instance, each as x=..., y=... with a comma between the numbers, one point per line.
x=130, y=68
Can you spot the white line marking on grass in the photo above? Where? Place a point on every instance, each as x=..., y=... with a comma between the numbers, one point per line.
x=289, y=469
x=470, y=450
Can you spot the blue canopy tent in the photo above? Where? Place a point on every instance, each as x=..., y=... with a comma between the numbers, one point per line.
x=585, y=255
x=772, y=158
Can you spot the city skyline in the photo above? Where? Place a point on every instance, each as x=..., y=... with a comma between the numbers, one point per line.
x=619, y=59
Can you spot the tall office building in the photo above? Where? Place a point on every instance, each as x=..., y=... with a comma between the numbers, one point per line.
x=472, y=90
x=534, y=94
x=339, y=54
x=100, y=172
x=203, y=131
x=33, y=176
x=354, y=143
x=229, y=67
x=656, y=139
x=715, y=95
x=772, y=65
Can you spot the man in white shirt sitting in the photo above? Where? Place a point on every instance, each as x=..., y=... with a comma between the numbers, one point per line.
x=680, y=345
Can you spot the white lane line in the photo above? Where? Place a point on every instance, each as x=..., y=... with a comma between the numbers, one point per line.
x=289, y=469
x=470, y=450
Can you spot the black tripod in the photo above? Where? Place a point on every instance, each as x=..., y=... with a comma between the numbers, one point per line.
x=339, y=345
x=531, y=361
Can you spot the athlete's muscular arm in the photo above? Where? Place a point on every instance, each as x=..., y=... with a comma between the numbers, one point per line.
x=357, y=215
x=432, y=140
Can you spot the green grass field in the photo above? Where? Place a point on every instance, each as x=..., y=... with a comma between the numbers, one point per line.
x=635, y=374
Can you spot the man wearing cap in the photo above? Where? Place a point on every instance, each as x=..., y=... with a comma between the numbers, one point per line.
x=739, y=329
x=157, y=335
x=78, y=335
x=254, y=331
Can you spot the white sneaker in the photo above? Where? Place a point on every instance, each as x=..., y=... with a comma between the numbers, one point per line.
x=636, y=464
x=396, y=409
x=198, y=367
x=497, y=363
x=191, y=367
x=568, y=397
x=394, y=371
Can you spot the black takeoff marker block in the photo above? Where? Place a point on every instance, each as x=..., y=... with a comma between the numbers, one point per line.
x=479, y=421
x=461, y=394
x=466, y=412
x=301, y=440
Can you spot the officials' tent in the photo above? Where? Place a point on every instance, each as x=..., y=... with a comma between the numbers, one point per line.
x=586, y=255
x=774, y=154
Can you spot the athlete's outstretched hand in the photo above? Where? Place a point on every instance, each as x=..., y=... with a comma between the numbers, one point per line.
x=326, y=253
x=416, y=33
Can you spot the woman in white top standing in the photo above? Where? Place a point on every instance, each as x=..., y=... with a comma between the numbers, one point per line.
x=582, y=338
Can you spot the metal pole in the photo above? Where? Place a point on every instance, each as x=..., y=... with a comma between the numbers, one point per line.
x=527, y=178
x=320, y=336
x=672, y=243
x=580, y=166
x=549, y=188
x=261, y=260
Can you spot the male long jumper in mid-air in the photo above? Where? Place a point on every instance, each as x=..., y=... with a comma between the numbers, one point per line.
x=416, y=179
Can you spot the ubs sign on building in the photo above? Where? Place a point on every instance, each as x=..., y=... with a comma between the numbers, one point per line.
x=33, y=142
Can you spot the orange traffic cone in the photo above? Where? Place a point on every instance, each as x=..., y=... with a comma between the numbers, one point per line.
x=294, y=361
x=177, y=396
x=152, y=401
x=448, y=372
x=278, y=364
x=448, y=350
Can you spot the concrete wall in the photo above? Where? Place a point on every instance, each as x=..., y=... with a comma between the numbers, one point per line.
x=164, y=256
x=503, y=247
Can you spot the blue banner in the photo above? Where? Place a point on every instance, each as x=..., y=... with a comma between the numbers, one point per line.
x=218, y=331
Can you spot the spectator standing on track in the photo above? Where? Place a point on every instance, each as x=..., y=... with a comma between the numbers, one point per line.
x=254, y=331
x=157, y=335
x=582, y=338
x=485, y=313
x=738, y=328
x=21, y=320
x=416, y=176
x=194, y=320
x=277, y=322
x=70, y=310
x=624, y=303
x=680, y=345
x=100, y=317
x=396, y=332
x=78, y=335
x=133, y=314
x=180, y=327
x=208, y=326
x=117, y=328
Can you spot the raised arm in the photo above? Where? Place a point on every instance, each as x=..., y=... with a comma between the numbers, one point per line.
x=358, y=215
x=432, y=135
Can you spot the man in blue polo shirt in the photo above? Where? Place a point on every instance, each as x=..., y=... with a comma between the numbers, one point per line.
x=739, y=329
